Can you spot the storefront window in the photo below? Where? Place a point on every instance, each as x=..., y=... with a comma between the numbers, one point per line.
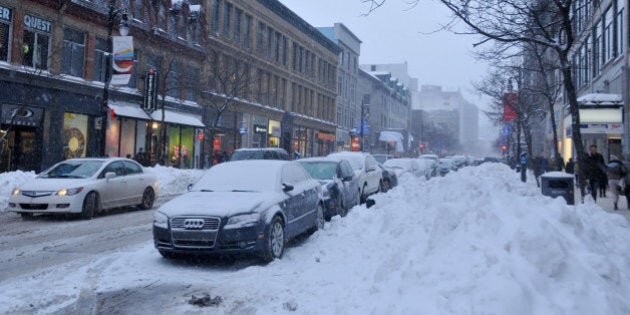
x=74, y=135
x=112, y=138
x=274, y=133
x=173, y=145
x=6, y=15
x=127, y=137
x=36, y=42
x=186, y=147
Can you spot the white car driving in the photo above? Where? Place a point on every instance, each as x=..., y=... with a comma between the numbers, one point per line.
x=86, y=186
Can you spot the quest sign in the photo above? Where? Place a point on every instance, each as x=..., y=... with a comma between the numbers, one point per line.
x=37, y=23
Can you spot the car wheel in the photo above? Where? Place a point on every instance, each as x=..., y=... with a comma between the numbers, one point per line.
x=385, y=185
x=148, y=197
x=319, y=218
x=90, y=206
x=274, y=244
x=342, y=211
x=363, y=194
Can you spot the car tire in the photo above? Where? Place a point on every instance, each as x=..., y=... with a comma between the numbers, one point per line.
x=363, y=194
x=342, y=210
x=319, y=218
x=275, y=240
x=90, y=206
x=385, y=185
x=148, y=198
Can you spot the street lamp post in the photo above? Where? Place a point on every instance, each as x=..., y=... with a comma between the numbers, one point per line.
x=365, y=105
x=124, y=31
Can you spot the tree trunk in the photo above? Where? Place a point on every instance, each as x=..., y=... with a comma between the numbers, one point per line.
x=569, y=88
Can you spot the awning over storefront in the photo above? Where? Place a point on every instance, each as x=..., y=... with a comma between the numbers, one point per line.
x=180, y=118
x=595, y=99
x=392, y=136
x=128, y=110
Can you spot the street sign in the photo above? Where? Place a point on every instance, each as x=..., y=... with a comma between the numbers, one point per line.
x=149, y=103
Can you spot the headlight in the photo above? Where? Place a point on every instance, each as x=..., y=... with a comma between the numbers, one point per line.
x=16, y=191
x=242, y=220
x=69, y=192
x=160, y=220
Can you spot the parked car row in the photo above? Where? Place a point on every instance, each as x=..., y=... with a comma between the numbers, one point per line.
x=254, y=205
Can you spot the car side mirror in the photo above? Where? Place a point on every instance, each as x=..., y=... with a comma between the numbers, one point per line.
x=190, y=186
x=287, y=187
x=110, y=175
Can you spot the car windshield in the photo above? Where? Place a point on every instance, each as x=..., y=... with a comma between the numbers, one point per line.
x=321, y=170
x=247, y=155
x=238, y=177
x=73, y=169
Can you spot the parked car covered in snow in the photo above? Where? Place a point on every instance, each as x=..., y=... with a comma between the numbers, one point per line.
x=340, y=188
x=86, y=187
x=251, y=206
x=390, y=178
x=365, y=168
x=404, y=166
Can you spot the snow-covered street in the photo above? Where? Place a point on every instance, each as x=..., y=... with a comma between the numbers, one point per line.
x=477, y=241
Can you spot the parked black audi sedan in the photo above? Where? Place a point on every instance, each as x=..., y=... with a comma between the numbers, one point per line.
x=252, y=206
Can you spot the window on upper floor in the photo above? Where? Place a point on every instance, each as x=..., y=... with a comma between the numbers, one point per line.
x=237, y=25
x=227, y=19
x=36, y=44
x=214, y=20
x=277, y=43
x=174, y=79
x=619, y=26
x=73, y=56
x=5, y=34
x=607, y=45
x=269, y=38
x=138, y=10
x=100, y=59
x=162, y=17
x=260, y=38
x=248, y=31
x=192, y=84
x=284, y=51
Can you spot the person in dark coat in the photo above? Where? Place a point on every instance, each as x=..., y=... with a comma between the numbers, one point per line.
x=594, y=169
x=570, y=167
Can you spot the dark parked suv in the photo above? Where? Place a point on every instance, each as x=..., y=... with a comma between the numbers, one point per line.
x=260, y=154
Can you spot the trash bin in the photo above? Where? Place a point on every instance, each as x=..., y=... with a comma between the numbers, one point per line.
x=556, y=184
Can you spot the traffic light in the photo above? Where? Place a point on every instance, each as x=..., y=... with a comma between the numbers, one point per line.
x=504, y=148
x=421, y=147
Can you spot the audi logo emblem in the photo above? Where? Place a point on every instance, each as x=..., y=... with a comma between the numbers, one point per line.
x=193, y=224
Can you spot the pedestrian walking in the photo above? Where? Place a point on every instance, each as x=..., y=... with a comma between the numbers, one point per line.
x=594, y=169
x=615, y=171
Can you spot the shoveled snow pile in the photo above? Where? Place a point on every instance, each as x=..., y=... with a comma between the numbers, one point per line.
x=9, y=181
x=477, y=241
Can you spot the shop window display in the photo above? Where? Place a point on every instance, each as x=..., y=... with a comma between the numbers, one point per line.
x=74, y=135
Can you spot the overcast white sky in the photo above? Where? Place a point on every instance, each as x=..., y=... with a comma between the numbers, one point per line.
x=397, y=32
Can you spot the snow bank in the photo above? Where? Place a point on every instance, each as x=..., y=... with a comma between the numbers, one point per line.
x=477, y=241
x=10, y=180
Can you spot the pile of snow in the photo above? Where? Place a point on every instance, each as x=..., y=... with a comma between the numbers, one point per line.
x=9, y=181
x=174, y=181
x=477, y=241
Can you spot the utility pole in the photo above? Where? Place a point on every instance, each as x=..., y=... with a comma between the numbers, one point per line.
x=124, y=31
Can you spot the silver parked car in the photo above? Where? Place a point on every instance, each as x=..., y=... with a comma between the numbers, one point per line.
x=86, y=186
x=366, y=169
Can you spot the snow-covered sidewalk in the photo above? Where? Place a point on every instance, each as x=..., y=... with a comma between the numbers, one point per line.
x=477, y=241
